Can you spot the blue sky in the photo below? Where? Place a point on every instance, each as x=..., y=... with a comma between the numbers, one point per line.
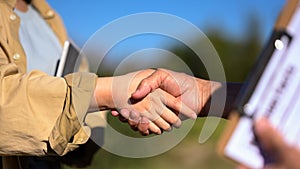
x=83, y=18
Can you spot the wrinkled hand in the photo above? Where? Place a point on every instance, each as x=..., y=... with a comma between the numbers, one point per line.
x=284, y=156
x=194, y=92
x=149, y=114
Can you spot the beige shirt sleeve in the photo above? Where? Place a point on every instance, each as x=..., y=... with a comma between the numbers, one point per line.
x=70, y=131
x=38, y=113
x=37, y=109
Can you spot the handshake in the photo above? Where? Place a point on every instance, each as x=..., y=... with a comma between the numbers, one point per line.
x=152, y=101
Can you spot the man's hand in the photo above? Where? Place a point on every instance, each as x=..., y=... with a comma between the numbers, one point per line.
x=282, y=155
x=194, y=92
x=151, y=113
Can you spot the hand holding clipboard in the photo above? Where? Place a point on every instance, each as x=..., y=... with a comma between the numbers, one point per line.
x=272, y=92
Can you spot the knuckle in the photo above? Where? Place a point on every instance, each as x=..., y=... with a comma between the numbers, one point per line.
x=149, y=116
x=144, y=83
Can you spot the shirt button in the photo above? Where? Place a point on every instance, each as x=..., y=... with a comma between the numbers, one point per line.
x=50, y=13
x=16, y=56
x=12, y=17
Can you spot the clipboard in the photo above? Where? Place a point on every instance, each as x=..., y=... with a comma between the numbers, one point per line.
x=272, y=91
x=68, y=61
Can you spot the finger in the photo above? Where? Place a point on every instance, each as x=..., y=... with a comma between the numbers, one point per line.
x=161, y=123
x=147, y=85
x=115, y=113
x=154, y=128
x=171, y=118
x=134, y=119
x=162, y=116
x=154, y=81
x=270, y=140
x=125, y=113
x=182, y=117
x=143, y=126
x=177, y=105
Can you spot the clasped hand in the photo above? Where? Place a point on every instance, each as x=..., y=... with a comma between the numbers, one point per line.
x=161, y=99
x=153, y=101
x=154, y=111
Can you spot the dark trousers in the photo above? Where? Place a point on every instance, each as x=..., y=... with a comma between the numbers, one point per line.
x=40, y=163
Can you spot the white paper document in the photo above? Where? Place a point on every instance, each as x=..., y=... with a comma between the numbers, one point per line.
x=275, y=96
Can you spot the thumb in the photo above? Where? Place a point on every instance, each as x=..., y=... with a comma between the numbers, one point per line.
x=147, y=85
x=270, y=140
x=142, y=90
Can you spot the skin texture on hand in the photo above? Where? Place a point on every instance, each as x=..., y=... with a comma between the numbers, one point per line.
x=194, y=92
x=191, y=91
x=283, y=156
x=155, y=110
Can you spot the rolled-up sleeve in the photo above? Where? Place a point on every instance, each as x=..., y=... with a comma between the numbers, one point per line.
x=37, y=110
x=69, y=131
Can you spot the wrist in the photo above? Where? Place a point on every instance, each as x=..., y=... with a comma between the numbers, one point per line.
x=103, y=93
x=207, y=90
x=218, y=90
x=111, y=92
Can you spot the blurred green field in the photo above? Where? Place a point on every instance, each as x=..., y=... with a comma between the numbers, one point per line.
x=187, y=154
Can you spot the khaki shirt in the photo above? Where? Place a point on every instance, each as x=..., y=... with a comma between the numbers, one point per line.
x=39, y=114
